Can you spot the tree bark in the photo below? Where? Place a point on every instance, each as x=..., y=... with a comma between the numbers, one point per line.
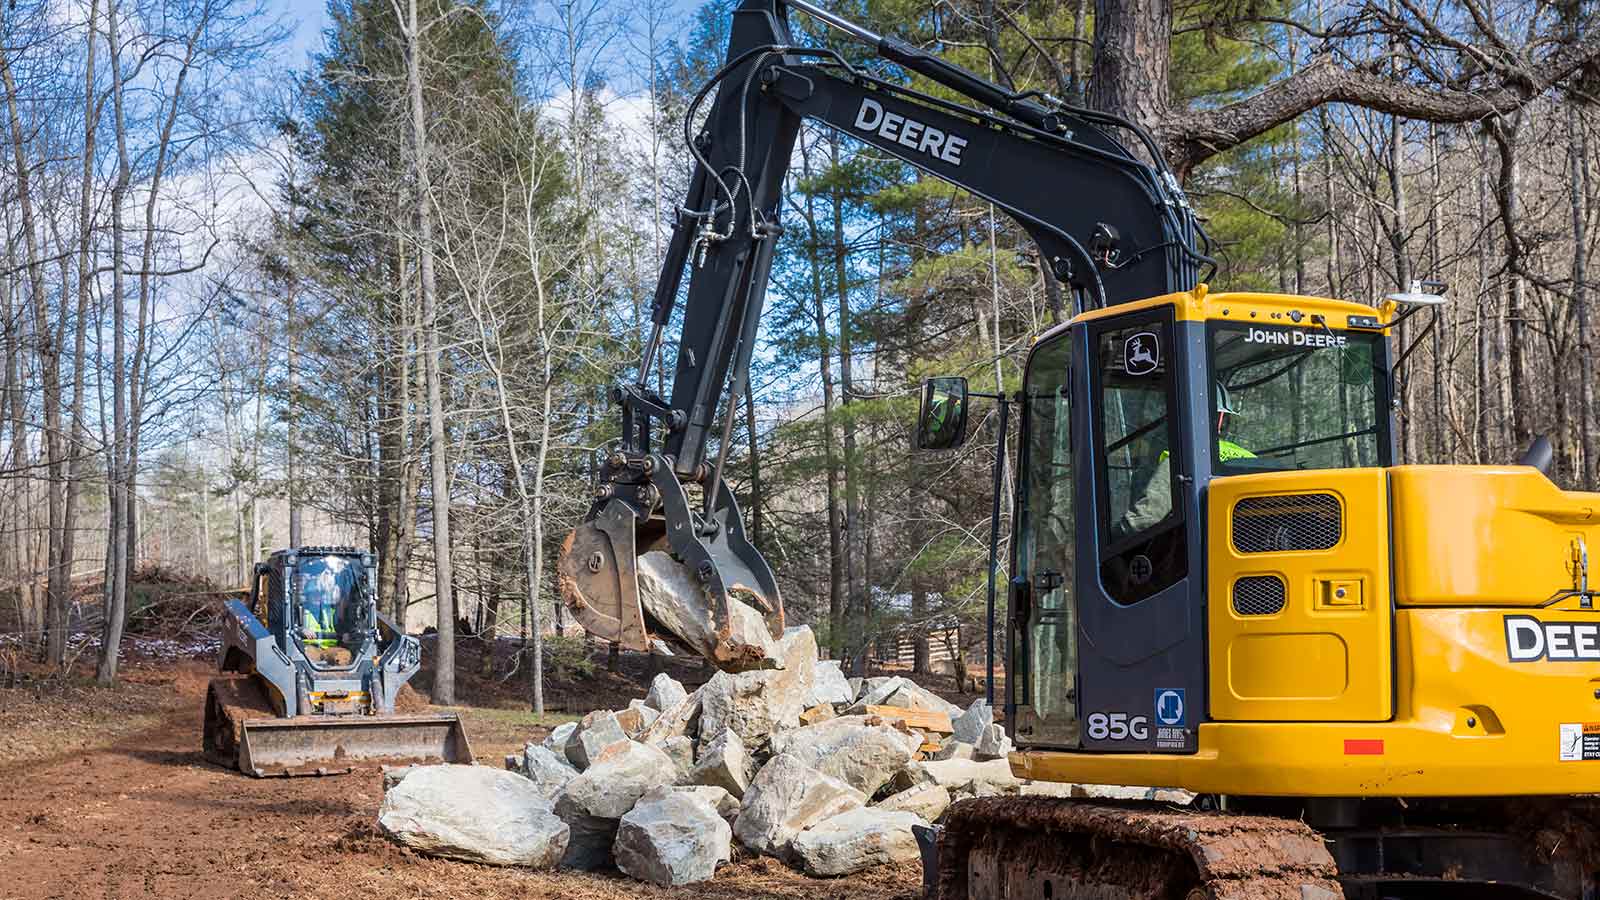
x=444, y=682
x=1577, y=158
x=49, y=353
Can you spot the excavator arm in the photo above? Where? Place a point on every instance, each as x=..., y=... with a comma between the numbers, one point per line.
x=1109, y=225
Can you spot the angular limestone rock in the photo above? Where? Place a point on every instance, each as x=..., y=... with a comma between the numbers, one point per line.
x=680, y=750
x=725, y=763
x=993, y=743
x=633, y=719
x=830, y=686
x=559, y=736
x=911, y=696
x=594, y=802
x=726, y=804
x=954, y=773
x=857, y=840
x=862, y=755
x=474, y=813
x=875, y=692
x=969, y=725
x=787, y=797
x=757, y=704
x=548, y=770
x=928, y=801
x=822, y=712
x=674, y=597
x=665, y=693
x=954, y=749
x=598, y=733
x=671, y=838
x=681, y=720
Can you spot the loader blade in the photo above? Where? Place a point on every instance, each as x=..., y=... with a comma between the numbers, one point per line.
x=327, y=745
x=242, y=731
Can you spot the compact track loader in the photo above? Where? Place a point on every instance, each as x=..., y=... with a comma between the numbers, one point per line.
x=319, y=669
x=1377, y=680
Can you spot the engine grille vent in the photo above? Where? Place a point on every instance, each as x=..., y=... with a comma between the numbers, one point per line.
x=1286, y=522
x=1258, y=595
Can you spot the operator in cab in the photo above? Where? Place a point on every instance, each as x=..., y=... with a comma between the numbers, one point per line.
x=1155, y=498
x=327, y=589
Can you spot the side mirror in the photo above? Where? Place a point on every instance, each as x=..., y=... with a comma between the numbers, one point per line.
x=942, y=420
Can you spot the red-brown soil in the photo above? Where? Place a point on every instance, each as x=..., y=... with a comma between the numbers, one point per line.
x=106, y=795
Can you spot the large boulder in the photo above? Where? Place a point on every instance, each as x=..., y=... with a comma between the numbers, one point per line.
x=787, y=797
x=671, y=838
x=665, y=693
x=856, y=840
x=682, y=719
x=954, y=773
x=594, y=802
x=861, y=755
x=474, y=813
x=726, y=805
x=597, y=734
x=725, y=763
x=677, y=601
x=757, y=704
x=874, y=692
x=993, y=743
x=969, y=725
x=680, y=750
x=829, y=686
x=646, y=717
x=559, y=736
x=548, y=770
x=909, y=695
x=929, y=801
x=954, y=749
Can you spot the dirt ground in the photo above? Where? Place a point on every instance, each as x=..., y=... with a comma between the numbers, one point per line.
x=106, y=795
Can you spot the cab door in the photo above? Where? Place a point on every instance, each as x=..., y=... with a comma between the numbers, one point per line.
x=1044, y=625
x=1141, y=660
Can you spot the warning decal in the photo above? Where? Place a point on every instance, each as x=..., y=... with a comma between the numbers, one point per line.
x=1579, y=741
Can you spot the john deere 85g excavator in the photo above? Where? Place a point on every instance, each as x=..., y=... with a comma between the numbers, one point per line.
x=1379, y=680
x=318, y=669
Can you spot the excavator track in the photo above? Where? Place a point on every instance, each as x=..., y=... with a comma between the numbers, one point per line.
x=1002, y=847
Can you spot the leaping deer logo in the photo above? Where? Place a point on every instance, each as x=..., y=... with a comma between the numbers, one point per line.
x=1141, y=354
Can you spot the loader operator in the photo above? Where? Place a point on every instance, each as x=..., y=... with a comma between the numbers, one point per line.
x=1155, y=499
x=325, y=591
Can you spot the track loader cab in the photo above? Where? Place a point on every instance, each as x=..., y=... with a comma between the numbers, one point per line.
x=319, y=669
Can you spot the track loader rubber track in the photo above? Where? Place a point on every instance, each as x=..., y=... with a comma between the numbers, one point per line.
x=994, y=848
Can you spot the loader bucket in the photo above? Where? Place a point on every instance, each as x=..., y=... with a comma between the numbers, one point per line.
x=326, y=745
x=243, y=732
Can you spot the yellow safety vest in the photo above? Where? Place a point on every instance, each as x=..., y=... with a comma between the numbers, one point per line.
x=320, y=623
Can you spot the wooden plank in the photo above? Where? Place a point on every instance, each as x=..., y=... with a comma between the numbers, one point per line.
x=929, y=747
x=923, y=719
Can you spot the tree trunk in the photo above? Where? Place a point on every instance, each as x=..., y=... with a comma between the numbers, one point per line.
x=1578, y=164
x=1132, y=59
x=49, y=352
x=757, y=520
x=854, y=531
x=836, y=570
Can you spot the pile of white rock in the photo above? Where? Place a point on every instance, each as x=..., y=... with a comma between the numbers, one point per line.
x=785, y=762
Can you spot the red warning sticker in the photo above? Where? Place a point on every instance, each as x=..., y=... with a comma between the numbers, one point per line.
x=1363, y=747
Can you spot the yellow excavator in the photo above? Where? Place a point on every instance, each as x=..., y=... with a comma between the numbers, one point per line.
x=1375, y=680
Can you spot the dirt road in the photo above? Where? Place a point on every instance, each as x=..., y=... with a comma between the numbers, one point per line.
x=146, y=816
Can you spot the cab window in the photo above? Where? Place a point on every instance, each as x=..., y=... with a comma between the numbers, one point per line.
x=1142, y=528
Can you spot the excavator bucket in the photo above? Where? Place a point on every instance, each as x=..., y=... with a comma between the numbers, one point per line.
x=242, y=732
x=705, y=587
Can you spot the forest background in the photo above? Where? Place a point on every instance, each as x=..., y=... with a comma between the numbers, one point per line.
x=376, y=291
